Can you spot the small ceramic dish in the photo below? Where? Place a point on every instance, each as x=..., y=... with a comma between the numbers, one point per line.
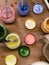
x=10, y=60
x=13, y=44
x=46, y=51
x=40, y=63
x=46, y=47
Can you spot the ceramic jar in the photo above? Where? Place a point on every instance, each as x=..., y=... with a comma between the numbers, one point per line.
x=45, y=25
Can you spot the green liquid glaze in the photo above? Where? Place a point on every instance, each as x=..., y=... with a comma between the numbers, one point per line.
x=3, y=32
x=24, y=51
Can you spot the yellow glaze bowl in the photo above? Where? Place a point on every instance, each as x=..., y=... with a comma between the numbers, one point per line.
x=13, y=44
x=10, y=60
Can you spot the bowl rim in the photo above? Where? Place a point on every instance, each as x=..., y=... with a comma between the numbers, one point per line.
x=44, y=52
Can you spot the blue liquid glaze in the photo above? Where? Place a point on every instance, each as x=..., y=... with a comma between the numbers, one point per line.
x=38, y=8
x=23, y=11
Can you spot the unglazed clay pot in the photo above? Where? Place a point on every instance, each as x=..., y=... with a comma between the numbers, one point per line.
x=46, y=38
x=46, y=51
x=46, y=47
x=45, y=25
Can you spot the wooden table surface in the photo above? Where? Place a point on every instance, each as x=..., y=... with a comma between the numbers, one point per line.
x=19, y=28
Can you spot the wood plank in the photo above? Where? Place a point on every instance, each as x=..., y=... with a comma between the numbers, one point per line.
x=19, y=28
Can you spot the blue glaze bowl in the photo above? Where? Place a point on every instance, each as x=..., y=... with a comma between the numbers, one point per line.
x=38, y=8
x=23, y=11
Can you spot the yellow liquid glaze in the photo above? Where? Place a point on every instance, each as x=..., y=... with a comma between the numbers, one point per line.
x=14, y=44
x=10, y=60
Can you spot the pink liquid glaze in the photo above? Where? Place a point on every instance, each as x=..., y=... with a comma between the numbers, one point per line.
x=8, y=14
x=30, y=39
x=0, y=13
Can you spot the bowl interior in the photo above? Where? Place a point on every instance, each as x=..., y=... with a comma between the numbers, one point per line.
x=46, y=51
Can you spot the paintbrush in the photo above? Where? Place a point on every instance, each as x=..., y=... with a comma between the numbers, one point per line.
x=6, y=4
x=22, y=4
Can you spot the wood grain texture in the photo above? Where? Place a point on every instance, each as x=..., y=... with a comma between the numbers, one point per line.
x=19, y=28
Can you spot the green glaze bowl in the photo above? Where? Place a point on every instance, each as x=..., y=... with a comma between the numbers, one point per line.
x=3, y=32
x=24, y=51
